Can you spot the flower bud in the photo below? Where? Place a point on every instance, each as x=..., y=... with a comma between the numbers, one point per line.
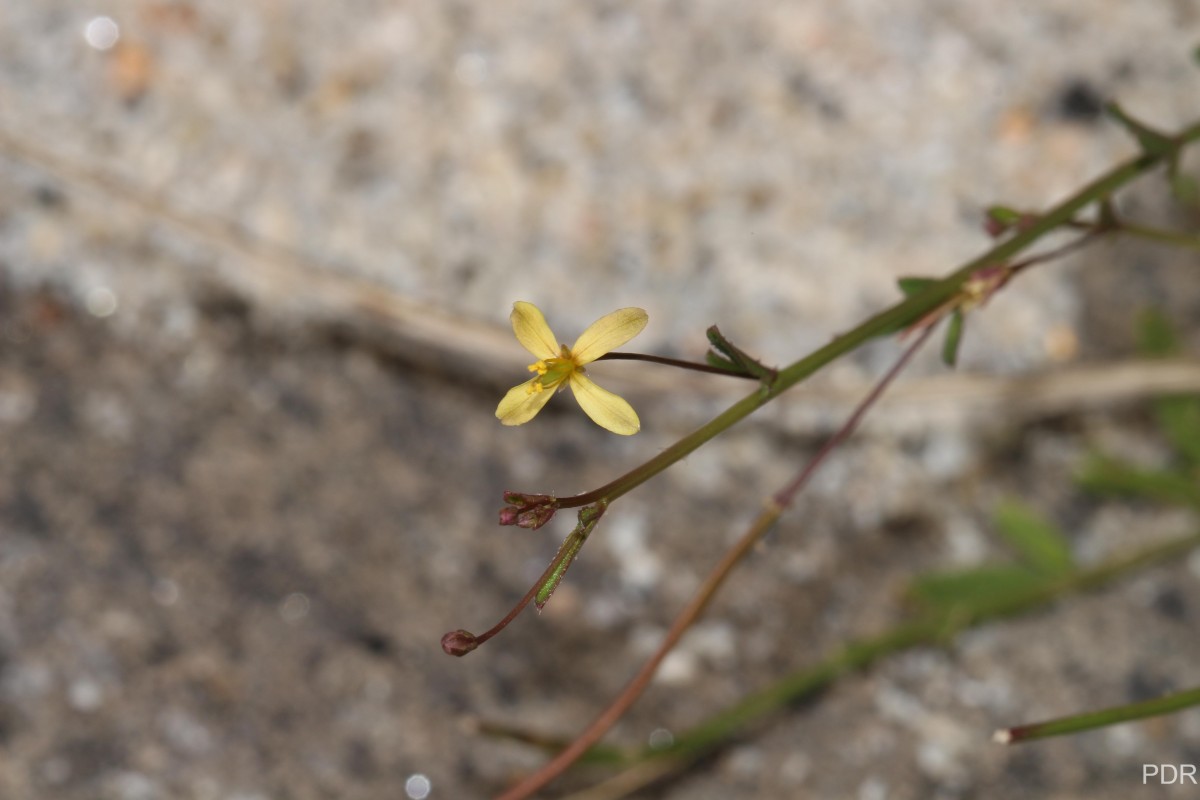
x=535, y=517
x=528, y=510
x=459, y=642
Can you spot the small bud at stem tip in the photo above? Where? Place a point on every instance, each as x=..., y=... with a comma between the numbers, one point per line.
x=459, y=643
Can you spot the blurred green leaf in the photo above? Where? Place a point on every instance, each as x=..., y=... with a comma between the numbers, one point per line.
x=910, y=285
x=1038, y=542
x=1186, y=190
x=1155, y=334
x=953, y=338
x=973, y=588
x=1105, y=475
x=1002, y=219
x=1178, y=416
x=1004, y=215
x=1179, y=419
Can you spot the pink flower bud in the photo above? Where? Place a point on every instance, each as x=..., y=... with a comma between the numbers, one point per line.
x=459, y=643
x=528, y=510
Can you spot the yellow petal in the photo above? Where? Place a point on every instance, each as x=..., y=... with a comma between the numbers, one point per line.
x=605, y=408
x=607, y=334
x=520, y=405
x=532, y=331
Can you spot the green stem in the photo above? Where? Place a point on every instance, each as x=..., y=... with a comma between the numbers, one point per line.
x=1160, y=235
x=1173, y=238
x=708, y=589
x=1100, y=719
x=930, y=629
x=895, y=318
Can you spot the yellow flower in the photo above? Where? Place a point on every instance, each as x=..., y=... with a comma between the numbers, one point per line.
x=558, y=366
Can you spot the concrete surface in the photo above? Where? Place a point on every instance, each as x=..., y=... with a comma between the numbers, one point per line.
x=257, y=261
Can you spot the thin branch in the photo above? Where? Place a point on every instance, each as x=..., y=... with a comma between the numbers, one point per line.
x=1147, y=232
x=1061, y=250
x=675, y=362
x=1172, y=238
x=700, y=600
x=908, y=311
x=1099, y=719
x=693, y=744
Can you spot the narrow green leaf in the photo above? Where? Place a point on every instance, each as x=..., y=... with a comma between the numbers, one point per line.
x=1109, y=476
x=562, y=562
x=910, y=285
x=1038, y=542
x=720, y=343
x=970, y=589
x=1002, y=219
x=721, y=362
x=953, y=338
x=589, y=516
x=1004, y=215
x=1153, y=143
x=743, y=361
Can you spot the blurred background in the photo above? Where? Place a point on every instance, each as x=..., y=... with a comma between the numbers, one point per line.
x=256, y=265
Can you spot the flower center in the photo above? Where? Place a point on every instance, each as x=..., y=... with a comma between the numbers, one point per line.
x=553, y=371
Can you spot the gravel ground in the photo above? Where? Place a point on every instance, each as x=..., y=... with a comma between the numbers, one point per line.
x=256, y=264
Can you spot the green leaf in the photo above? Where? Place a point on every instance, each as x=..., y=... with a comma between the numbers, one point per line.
x=562, y=562
x=1004, y=215
x=1002, y=219
x=721, y=362
x=1155, y=334
x=1178, y=416
x=911, y=285
x=1179, y=421
x=742, y=361
x=971, y=589
x=1038, y=542
x=589, y=516
x=1109, y=476
x=1152, y=142
x=953, y=338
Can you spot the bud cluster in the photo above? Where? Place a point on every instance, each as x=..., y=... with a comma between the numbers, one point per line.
x=528, y=510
